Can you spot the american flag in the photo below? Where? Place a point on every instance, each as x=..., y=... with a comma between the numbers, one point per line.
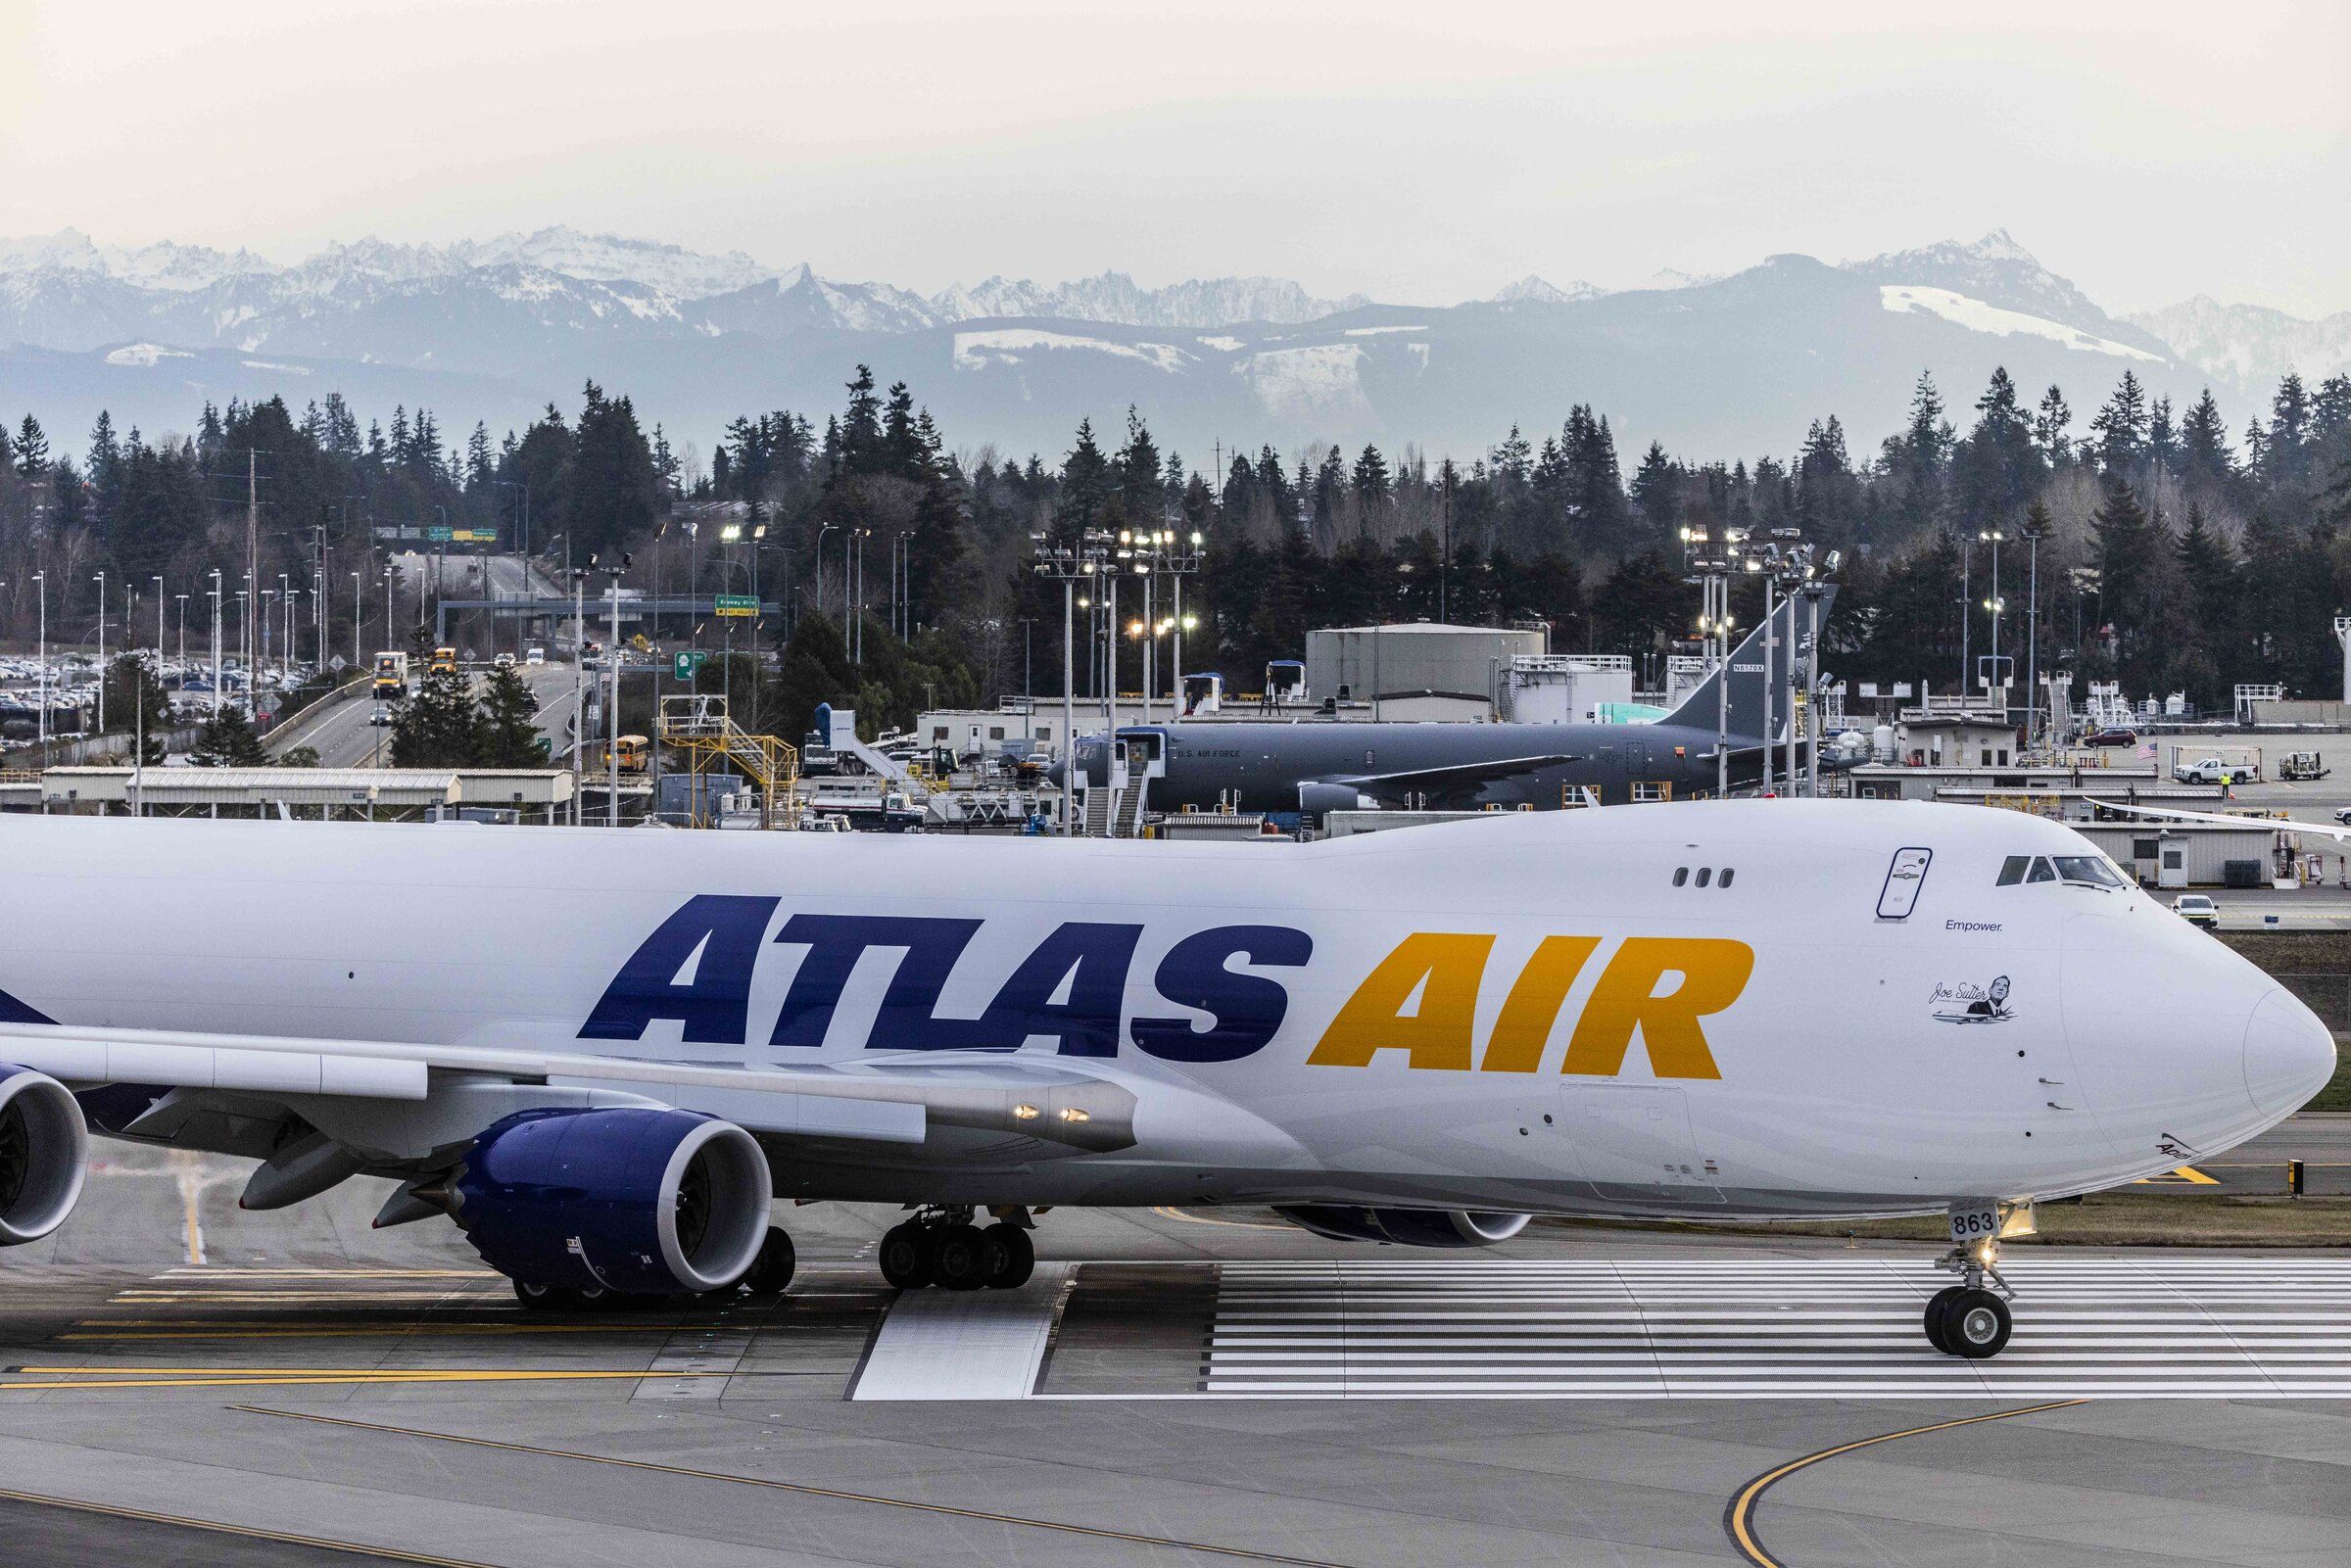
x=2146, y=750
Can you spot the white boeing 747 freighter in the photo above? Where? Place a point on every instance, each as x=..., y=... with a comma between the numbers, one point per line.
x=603, y=1054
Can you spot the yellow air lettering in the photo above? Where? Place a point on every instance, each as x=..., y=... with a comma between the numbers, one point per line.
x=1446, y=967
x=1533, y=1005
x=1711, y=971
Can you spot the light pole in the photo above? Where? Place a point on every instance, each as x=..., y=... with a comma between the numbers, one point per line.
x=359, y=615
x=612, y=718
x=101, y=580
x=1993, y=536
x=183, y=640
x=2033, y=538
x=1081, y=557
x=158, y=580
x=216, y=642
x=1182, y=560
x=41, y=582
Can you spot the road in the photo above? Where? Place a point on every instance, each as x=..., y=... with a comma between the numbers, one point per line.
x=344, y=739
x=1176, y=1386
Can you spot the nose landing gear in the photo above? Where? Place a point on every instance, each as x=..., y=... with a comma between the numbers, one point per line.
x=1968, y=1319
x=942, y=1247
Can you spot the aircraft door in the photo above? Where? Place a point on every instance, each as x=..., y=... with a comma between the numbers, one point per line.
x=1636, y=1144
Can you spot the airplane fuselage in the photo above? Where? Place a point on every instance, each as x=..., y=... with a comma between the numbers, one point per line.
x=1736, y=1008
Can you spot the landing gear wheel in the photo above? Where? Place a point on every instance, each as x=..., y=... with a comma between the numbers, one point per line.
x=1014, y=1254
x=905, y=1256
x=770, y=1273
x=1936, y=1304
x=538, y=1298
x=1976, y=1324
x=960, y=1255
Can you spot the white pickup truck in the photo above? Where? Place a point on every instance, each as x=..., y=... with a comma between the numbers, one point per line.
x=2213, y=771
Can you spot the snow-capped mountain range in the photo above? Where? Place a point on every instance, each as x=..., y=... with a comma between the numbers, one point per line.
x=493, y=328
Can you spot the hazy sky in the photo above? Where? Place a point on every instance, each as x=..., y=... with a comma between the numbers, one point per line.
x=1421, y=152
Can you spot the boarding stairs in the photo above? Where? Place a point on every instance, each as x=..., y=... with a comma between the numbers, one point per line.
x=699, y=728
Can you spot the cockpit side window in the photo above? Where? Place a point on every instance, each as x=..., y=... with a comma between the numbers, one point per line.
x=2095, y=869
x=2012, y=869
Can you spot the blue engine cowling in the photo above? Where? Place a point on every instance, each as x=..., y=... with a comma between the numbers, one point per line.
x=44, y=1152
x=644, y=1200
x=1407, y=1227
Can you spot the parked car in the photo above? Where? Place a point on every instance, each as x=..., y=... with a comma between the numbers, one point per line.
x=2343, y=814
x=2111, y=738
x=2197, y=909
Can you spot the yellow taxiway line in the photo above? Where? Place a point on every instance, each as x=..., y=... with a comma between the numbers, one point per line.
x=1739, y=1518
x=803, y=1489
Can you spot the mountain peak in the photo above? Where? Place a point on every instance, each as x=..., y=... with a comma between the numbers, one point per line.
x=1535, y=287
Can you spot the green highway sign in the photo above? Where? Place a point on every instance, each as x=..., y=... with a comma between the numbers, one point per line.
x=439, y=536
x=731, y=604
x=686, y=662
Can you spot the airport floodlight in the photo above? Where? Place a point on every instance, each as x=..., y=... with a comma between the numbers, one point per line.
x=1197, y=541
x=730, y=534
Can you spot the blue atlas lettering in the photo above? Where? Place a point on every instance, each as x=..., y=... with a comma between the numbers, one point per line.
x=1247, y=1008
x=717, y=934
x=907, y=1021
x=1088, y=960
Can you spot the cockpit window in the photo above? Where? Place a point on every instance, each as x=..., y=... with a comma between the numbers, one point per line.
x=2012, y=869
x=2095, y=869
x=2041, y=871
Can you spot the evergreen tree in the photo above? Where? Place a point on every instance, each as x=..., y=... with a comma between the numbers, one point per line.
x=33, y=449
x=2204, y=449
x=227, y=740
x=439, y=725
x=2052, y=423
x=2122, y=427
x=508, y=729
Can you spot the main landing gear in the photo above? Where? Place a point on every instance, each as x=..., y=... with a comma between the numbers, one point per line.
x=1968, y=1319
x=942, y=1247
x=770, y=1275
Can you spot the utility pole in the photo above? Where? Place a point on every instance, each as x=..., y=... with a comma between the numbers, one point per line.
x=579, y=687
x=612, y=719
x=102, y=654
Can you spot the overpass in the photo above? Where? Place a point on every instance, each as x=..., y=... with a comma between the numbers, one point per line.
x=597, y=610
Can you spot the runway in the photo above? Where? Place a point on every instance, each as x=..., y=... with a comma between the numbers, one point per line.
x=314, y=1392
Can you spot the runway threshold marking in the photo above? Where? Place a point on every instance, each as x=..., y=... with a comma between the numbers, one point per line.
x=1738, y=1517
x=244, y=1532
x=803, y=1489
x=965, y=1345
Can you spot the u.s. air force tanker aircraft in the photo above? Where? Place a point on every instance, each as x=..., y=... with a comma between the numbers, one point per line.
x=1320, y=765
x=602, y=1053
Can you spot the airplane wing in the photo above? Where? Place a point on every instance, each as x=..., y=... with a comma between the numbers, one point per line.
x=894, y=1100
x=1455, y=780
x=2284, y=824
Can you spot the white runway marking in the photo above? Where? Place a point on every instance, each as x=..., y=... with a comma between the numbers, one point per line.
x=2173, y=1327
x=964, y=1345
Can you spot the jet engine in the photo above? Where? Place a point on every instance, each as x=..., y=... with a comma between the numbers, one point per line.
x=1315, y=799
x=1407, y=1227
x=44, y=1148
x=643, y=1201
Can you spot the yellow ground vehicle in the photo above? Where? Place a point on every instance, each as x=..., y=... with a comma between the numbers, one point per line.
x=633, y=750
x=445, y=662
x=391, y=678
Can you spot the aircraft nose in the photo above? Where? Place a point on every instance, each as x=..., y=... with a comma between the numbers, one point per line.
x=2289, y=1054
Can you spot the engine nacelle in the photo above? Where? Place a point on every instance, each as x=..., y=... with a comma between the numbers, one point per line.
x=643, y=1201
x=1407, y=1227
x=1320, y=799
x=44, y=1153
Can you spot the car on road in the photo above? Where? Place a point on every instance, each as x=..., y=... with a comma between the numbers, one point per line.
x=504, y=661
x=2197, y=909
x=2343, y=814
x=379, y=717
x=2111, y=738
x=534, y=656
